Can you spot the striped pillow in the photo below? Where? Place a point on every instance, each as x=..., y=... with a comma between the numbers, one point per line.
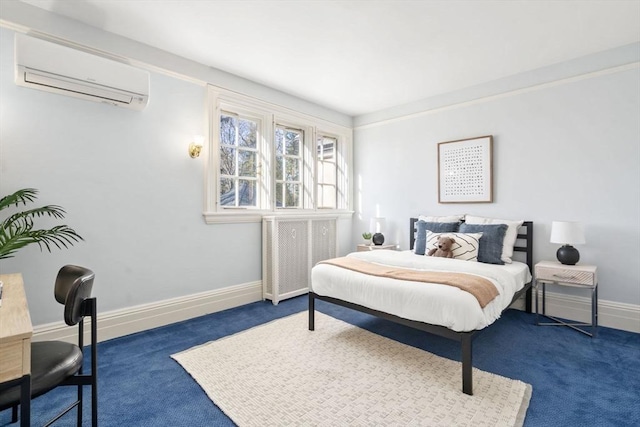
x=465, y=248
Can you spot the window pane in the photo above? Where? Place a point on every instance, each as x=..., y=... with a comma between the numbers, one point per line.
x=326, y=197
x=247, y=193
x=247, y=163
x=227, y=161
x=326, y=148
x=279, y=141
x=292, y=169
x=279, y=189
x=227, y=192
x=227, y=130
x=279, y=168
x=292, y=195
x=248, y=133
x=326, y=172
x=292, y=142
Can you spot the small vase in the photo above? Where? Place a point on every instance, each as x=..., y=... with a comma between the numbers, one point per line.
x=367, y=242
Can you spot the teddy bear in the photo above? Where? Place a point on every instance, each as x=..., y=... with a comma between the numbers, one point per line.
x=443, y=247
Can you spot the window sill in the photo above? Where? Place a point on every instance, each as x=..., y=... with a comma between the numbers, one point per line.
x=253, y=216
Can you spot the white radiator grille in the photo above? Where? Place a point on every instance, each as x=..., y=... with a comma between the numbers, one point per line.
x=291, y=247
x=324, y=240
x=267, y=261
x=293, y=257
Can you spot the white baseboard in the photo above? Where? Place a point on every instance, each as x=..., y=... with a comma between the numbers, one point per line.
x=611, y=314
x=127, y=321
x=118, y=323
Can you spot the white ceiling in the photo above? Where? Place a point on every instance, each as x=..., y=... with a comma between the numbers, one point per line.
x=358, y=57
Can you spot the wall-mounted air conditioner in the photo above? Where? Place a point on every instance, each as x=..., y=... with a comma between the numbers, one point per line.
x=60, y=69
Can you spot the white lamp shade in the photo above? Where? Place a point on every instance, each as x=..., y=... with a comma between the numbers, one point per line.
x=567, y=233
x=377, y=225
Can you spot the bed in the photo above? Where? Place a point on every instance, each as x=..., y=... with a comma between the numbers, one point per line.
x=438, y=309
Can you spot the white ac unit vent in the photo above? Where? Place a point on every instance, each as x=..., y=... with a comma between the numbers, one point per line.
x=59, y=69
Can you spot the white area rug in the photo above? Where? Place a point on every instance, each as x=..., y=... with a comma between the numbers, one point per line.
x=281, y=374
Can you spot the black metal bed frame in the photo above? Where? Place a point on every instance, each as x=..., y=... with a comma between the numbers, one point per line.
x=465, y=338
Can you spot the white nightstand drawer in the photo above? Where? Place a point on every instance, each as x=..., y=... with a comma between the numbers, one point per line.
x=365, y=248
x=579, y=277
x=568, y=274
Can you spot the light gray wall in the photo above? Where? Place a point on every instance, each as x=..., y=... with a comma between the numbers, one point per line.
x=129, y=188
x=563, y=151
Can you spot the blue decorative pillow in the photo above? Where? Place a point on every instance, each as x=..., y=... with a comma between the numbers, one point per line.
x=420, y=244
x=490, y=251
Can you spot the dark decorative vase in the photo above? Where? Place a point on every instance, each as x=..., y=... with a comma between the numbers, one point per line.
x=568, y=255
x=378, y=239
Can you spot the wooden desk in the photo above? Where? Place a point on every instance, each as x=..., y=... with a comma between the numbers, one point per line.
x=15, y=341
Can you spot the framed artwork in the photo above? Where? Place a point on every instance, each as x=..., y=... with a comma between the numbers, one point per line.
x=465, y=170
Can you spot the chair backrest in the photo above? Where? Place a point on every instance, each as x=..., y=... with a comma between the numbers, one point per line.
x=73, y=286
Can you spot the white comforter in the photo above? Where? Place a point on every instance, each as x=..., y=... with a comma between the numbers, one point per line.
x=430, y=303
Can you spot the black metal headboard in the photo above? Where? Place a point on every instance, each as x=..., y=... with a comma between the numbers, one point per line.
x=524, y=243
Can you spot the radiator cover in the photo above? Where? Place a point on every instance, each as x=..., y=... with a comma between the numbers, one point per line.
x=291, y=246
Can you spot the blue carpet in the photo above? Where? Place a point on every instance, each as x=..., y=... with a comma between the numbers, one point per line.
x=577, y=381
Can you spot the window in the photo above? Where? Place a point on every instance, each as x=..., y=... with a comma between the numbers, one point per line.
x=288, y=149
x=326, y=172
x=265, y=159
x=238, y=161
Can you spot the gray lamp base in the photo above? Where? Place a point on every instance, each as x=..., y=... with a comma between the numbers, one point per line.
x=568, y=255
x=378, y=239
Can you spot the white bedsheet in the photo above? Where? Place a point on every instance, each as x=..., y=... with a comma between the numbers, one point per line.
x=430, y=303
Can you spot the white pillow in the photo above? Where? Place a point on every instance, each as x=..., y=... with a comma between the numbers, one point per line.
x=448, y=218
x=465, y=248
x=510, y=236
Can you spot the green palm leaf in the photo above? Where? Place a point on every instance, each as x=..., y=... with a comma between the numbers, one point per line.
x=17, y=230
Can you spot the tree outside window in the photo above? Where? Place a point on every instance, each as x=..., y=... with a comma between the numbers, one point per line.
x=238, y=161
x=288, y=167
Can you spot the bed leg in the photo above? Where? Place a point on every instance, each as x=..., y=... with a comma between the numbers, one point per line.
x=312, y=311
x=467, y=366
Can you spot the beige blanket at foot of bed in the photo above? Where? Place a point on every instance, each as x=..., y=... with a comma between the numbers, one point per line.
x=482, y=289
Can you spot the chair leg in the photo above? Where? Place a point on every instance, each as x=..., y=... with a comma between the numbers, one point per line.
x=94, y=404
x=79, y=412
x=94, y=363
x=14, y=414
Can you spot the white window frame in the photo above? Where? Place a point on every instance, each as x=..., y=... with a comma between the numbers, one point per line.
x=222, y=101
x=336, y=159
x=259, y=158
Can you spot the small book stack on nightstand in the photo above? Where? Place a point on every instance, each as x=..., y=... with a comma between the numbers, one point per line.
x=578, y=276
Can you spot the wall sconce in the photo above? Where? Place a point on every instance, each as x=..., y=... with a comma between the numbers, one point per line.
x=196, y=146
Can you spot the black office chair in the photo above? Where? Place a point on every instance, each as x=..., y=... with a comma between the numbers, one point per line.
x=58, y=363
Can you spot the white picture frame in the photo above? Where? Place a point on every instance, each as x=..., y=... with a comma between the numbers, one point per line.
x=465, y=170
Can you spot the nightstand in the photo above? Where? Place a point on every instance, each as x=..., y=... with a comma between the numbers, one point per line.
x=364, y=247
x=577, y=276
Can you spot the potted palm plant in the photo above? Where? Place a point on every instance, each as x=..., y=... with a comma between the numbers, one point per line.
x=17, y=229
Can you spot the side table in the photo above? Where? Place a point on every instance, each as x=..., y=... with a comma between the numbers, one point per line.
x=578, y=276
x=364, y=247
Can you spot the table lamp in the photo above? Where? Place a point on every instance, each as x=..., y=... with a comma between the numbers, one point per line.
x=376, y=226
x=567, y=233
